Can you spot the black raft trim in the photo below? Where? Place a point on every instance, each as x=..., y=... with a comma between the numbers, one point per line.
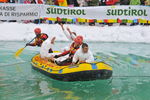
x=79, y=76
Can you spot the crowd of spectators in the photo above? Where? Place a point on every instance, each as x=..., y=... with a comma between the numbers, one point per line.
x=81, y=3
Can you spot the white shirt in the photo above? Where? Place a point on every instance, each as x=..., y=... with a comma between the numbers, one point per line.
x=87, y=57
x=82, y=3
x=44, y=50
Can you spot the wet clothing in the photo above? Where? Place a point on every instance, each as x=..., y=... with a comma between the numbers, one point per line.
x=46, y=48
x=69, y=52
x=66, y=62
x=39, y=40
x=135, y=2
x=73, y=2
x=80, y=56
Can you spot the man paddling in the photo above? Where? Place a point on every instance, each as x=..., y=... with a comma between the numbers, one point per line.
x=40, y=38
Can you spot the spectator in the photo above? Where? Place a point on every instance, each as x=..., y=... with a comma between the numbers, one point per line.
x=33, y=2
x=102, y=2
x=49, y=2
x=143, y=2
x=62, y=3
x=72, y=3
x=111, y=2
x=124, y=2
x=12, y=1
x=3, y=1
x=82, y=3
x=93, y=2
x=56, y=2
x=27, y=2
x=135, y=2
x=39, y=1
x=147, y=2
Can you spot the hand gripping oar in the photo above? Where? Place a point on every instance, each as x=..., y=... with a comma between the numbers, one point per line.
x=21, y=49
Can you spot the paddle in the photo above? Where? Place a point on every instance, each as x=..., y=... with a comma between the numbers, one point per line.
x=21, y=49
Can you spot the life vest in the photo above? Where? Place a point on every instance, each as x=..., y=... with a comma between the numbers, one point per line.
x=111, y=2
x=73, y=50
x=3, y=1
x=39, y=40
x=62, y=3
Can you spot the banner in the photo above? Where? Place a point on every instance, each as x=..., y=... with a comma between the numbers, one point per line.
x=100, y=12
x=35, y=11
x=19, y=11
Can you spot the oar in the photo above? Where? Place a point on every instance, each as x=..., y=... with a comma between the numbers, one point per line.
x=21, y=49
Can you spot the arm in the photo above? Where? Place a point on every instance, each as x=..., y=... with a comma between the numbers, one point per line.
x=62, y=54
x=75, y=58
x=67, y=35
x=72, y=34
x=53, y=40
x=31, y=44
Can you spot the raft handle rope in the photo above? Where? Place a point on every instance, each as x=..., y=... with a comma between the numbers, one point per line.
x=73, y=66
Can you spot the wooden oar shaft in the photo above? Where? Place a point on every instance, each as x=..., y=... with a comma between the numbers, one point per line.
x=21, y=50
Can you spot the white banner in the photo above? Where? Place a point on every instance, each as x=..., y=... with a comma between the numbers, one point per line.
x=19, y=11
x=101, y=12
x=34, y=11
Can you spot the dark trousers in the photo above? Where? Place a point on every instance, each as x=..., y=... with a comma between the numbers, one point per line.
x=66, y=62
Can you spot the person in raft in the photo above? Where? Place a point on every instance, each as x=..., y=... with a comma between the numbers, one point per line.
x=71, y=36
x=40, y=38
x=46, y=48
x=73, y=48
x=83, y=55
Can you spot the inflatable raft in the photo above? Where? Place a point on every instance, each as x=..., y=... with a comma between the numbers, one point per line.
x=81, y=72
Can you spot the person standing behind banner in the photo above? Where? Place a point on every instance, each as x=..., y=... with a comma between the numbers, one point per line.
x=62, y=3
x=93, y=2
x=124, y=2
x=102, y=2
x=82, y=3
x=27, y=2
x=3, y=1
x=135, y=2
x=39, y=1
x=111, y=2
x=147, y=2
x=50, y=2
x=72, y=3
x=12, y=1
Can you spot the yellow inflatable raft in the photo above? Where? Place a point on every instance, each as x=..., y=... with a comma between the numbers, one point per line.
x=81, y=72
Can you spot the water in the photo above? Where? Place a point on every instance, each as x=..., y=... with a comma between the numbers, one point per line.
x=131, y=75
